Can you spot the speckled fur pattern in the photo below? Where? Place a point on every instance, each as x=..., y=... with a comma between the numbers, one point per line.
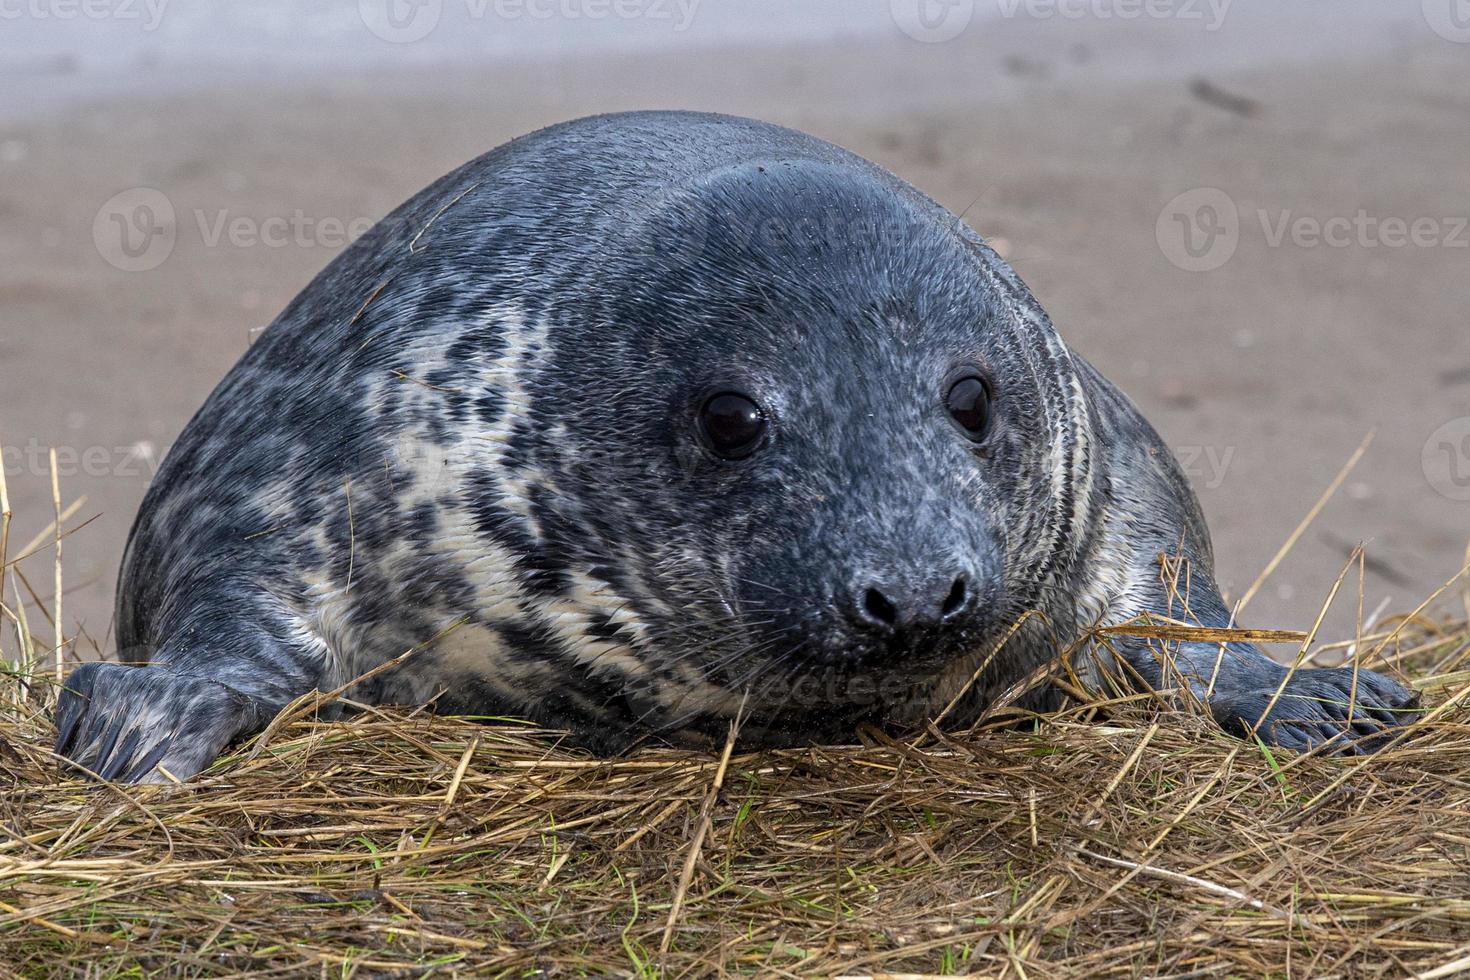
x=470, y=438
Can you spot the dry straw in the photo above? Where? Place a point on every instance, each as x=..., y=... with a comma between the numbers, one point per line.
x=1117, y=837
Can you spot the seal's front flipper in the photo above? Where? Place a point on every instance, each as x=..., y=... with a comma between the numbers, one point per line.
x=1149, y=513
x=124, y=722
x=1318, y=707
x=1334, y=708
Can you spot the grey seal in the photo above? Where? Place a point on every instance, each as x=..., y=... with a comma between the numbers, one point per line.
x=647, y=421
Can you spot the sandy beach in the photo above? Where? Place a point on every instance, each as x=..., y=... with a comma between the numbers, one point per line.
x=1268, y=253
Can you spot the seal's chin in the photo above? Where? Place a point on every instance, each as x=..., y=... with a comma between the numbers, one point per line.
x=792, y=690
x=825, y=701
x=786, y=704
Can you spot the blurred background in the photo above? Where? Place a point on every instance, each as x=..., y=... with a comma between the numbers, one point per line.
x=1250, y=214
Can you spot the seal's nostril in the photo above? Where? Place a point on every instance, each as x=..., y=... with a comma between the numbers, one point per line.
x=955, y=601
x=879, y=608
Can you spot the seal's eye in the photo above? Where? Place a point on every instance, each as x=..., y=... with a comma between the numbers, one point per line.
x=968, y=402
x=732, y=425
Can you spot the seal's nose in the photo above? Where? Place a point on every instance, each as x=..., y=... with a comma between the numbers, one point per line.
x=892, y=607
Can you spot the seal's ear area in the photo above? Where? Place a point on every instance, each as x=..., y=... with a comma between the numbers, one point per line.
x=1320, y=707
x=121, y=722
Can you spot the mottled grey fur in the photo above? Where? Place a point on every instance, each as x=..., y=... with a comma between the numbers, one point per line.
x=472, y=437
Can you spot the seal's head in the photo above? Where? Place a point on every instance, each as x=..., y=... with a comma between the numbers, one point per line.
x=815, y=425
